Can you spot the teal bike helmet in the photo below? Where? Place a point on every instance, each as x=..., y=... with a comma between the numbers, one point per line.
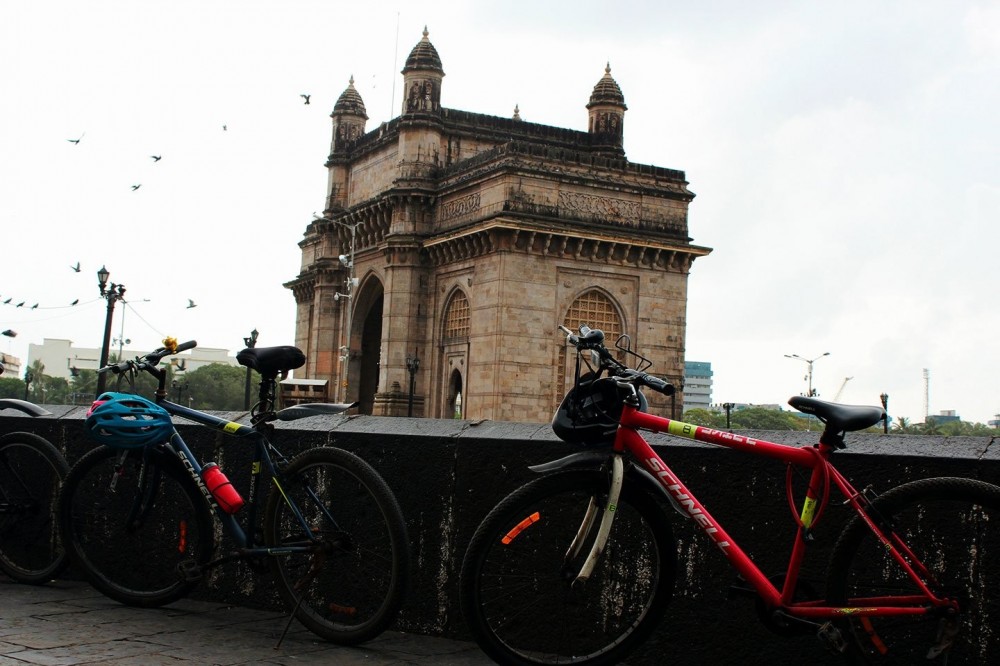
x=126, y=421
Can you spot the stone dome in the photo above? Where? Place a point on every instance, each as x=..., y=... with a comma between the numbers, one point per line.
x=607, y=91
x=423, y=56
x=350, y=102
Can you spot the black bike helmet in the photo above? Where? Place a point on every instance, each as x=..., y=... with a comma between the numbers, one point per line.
x=589, y=413
x=127, y=421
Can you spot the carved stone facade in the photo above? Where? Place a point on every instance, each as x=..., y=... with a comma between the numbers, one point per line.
x=473, y=237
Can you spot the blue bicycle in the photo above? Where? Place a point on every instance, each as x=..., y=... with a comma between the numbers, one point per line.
x=136, y=513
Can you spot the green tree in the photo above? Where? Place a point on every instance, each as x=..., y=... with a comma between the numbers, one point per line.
x=705, y=417
x=11, y=387
x=758, y=418
x=902, y=425
x=215, y=387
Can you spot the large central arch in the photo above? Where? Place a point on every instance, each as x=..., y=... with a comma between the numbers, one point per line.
x=366, y=353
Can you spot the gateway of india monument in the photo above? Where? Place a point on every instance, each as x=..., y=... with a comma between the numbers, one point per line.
x=453, y=244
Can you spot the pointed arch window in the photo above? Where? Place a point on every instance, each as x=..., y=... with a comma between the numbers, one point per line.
x=595, y=309
x=456, y=318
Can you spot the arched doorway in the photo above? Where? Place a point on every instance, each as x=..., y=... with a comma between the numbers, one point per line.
x=371, y=357
x=455, y=409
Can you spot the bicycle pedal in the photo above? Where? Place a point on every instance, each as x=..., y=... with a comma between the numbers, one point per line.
x=189, y=571
x=832, y=638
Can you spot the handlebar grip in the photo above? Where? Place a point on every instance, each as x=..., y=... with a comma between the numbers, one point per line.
x=184, y=346
x=658, y=385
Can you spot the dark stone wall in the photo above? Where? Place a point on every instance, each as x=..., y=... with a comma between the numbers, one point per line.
x=448, y=474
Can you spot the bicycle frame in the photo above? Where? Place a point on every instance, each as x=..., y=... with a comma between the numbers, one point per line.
x=816, y=459
x=261, y=459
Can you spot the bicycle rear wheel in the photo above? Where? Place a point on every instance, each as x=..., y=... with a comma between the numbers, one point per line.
x=518, y=592
x=953, y=527
x=348, y=583
x=130, y=520
x=31, y=473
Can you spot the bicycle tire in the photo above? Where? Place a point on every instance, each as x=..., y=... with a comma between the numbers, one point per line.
x=129, y=548
x=518, y=597
x=349, y=587
x=31, y=474
x=953, y=526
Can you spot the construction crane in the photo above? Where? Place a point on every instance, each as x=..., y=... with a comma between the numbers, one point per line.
x=841, y=389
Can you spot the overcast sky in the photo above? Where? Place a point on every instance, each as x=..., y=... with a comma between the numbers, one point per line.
x=845, y=157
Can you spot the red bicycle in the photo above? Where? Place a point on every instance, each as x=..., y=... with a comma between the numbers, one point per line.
x=578, y=566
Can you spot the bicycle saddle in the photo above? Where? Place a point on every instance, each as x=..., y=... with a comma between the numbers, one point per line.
x=270, y=361
x=837, y=417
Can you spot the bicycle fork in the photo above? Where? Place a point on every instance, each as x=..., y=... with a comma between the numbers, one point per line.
x=604, y=529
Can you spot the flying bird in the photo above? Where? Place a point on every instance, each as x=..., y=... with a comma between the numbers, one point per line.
x=305, y=97
x=10, y=334
x=135, y=187
x=76, y=268
x=156, y=158
x=34, y=306
x=8, y=301
x=191, y=304
x=75, y=302
x=76, y=141
x=21, y=304
x=224, y=128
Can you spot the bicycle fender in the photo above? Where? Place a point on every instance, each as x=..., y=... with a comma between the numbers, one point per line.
x=29, y=408
x=582, y=459
x=593, y=459
x=304, y=410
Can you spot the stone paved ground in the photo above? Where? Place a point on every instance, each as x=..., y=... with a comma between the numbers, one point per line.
x=67, y=622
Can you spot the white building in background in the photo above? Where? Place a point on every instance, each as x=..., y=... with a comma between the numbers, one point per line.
x=11, y=365
x=60, y=357
x=697, y=385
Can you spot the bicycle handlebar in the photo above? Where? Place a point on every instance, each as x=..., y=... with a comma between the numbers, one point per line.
x=150, y=360
x=591, y=339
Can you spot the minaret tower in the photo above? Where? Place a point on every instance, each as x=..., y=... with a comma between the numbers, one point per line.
x=422, y=75
x=607, y=115
x=349, y=118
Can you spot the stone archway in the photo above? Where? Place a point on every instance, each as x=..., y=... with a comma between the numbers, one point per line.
x=455, y=408
x=370, y=363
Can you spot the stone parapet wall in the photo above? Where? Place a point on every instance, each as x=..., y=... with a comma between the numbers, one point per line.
x=447, y=474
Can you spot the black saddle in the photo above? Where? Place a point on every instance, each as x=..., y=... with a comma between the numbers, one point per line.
x=839, y=418
x=271, y=361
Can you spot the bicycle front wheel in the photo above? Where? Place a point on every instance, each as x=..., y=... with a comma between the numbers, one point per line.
x=136, y=525
x=31, y=473
x=348, y=572
x=952, y=525
x=518, y=589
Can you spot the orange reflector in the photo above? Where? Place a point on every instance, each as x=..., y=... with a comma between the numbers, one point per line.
x=337, y=609
x=182, y=537
x=520, y=527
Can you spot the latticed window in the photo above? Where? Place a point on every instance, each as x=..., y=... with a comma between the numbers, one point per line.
x=456, y=317
x=596, y=311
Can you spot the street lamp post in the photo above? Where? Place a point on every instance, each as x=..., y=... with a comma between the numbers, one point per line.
x=809, y=375
x=250, y=342
x=728, y=406
x=116, y=292
x=412, y=365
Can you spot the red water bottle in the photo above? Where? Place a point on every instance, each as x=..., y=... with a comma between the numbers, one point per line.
x=222, y=490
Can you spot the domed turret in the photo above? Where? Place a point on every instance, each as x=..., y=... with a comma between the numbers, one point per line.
x=349, y=117
x=422, y=75
x=607, y=114
x=350, y=102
